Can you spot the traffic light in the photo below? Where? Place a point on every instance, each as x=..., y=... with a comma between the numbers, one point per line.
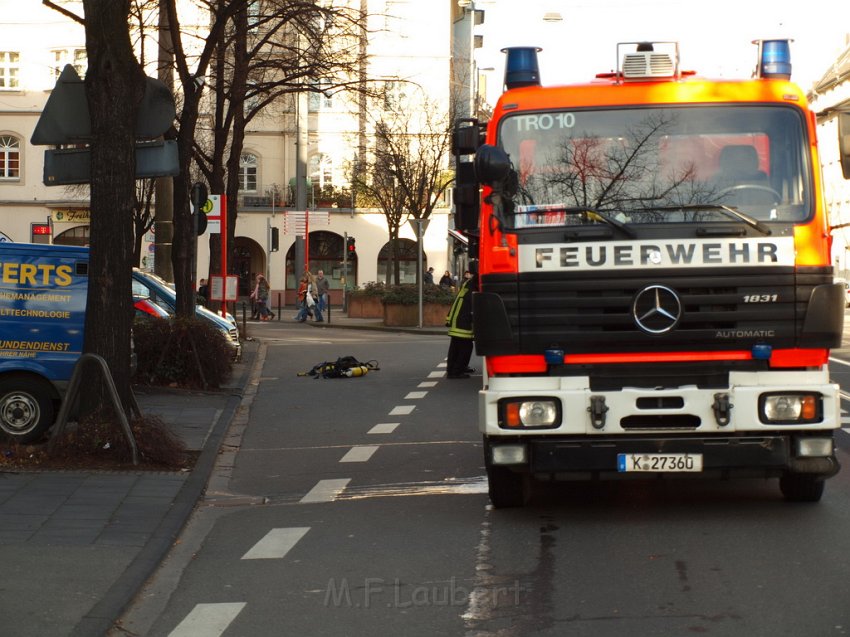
x=350, y=247
x=198, y=195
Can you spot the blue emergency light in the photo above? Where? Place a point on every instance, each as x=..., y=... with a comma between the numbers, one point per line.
x=521, y=67
x=774, y=59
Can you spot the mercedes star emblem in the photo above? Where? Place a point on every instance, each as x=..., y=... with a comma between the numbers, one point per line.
x=656, y=309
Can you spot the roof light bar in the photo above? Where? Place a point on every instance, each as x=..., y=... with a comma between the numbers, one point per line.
x=774, y=59
x=521, y=66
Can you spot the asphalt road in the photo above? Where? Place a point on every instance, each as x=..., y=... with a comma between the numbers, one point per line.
x=359, y=507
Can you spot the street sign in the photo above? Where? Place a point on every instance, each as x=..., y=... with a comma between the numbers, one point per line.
x=216, y=289
x=212, y=208
x=66, y=119
x=68, y=166
x=296, y=221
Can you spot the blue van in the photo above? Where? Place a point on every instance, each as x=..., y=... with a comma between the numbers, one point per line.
x=42, y=324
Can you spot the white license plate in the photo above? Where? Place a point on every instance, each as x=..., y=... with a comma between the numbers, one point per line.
x=659, y=462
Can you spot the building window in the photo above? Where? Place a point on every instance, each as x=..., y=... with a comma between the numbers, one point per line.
x=395, y=96
x=75, y=57
x=77, y=236
x=320, y=99
x=10, y=157
x=10, y=70
x=408, y=259
x=248, y=173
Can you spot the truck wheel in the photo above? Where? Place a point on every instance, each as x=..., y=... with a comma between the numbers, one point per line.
x=801, y=487
x=507, y=488
x=26, y=409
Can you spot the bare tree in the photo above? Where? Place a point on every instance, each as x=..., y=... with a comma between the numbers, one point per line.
x=143, y=217
x=407, y=172
x=191, y=73
x=282, y=48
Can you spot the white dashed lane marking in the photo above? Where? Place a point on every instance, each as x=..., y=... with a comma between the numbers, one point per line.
x=415, y=395
x=436, y=374
x=326, y=490
x=383, y=428
x=361, y=453
x=208, y=620
x=427, y=383
x=402, y=410
x=276, y=543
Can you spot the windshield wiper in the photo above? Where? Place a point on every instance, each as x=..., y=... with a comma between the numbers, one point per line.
x=726, y=210
x=604, y=216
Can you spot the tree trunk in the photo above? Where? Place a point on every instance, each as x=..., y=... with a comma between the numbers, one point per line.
x=115, y=84
x=183, y=250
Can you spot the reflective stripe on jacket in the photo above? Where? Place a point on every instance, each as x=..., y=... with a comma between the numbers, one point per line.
x=459, y=318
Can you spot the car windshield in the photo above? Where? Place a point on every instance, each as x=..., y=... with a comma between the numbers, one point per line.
x=658, y=165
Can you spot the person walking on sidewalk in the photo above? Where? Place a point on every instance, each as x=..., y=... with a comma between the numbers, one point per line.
x=307, y=300
x=459, y=322
x=261, y=296
x=322, y=289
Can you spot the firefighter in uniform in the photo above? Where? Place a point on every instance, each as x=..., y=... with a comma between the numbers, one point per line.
x=459, y=322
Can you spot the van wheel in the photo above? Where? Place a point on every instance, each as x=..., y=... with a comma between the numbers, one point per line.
x=26, y=409
x=508, y=488
x=801, y=487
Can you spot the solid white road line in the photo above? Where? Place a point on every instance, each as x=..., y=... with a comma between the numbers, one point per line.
x=361, y=453
x=208, y=620
x=276, y=543
x=414, y=395
x=402, y=410
x=326, y=490
x=383, y=428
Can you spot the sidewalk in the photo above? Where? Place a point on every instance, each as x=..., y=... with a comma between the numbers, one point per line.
x=76, y=546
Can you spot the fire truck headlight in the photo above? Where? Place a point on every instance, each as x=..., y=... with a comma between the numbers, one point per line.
x=534, y=413
x=791, y=408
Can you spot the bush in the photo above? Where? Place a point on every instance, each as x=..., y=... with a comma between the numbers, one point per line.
x=166, y=355
x=409, y=295
x=369, y=289
x=98, y=441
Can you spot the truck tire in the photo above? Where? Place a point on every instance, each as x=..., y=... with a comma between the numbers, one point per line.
x=802, y=487
x=26, y=409
x=508, y=488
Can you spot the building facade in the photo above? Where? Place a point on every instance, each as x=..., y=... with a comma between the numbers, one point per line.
x=409, y=48
x=829, y=96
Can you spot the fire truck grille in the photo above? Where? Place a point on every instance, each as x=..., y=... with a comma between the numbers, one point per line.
x=716, y=309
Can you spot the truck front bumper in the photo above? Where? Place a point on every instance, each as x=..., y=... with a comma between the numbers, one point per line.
x=583, y=458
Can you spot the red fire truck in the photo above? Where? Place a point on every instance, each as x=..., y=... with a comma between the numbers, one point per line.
x=656, y=295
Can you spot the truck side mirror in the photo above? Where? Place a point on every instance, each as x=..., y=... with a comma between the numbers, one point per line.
x=844, y=143
x=492, y=164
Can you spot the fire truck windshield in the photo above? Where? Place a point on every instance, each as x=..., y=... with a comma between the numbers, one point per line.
x=682, y=164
